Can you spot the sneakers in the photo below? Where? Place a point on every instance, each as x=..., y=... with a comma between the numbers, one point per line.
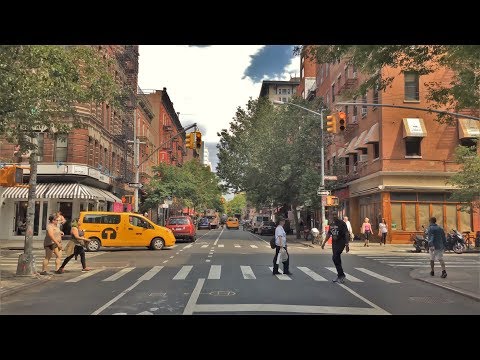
x=86, y=269
x=59, y=271
x=44, y=273
x=276, y=273
x=339, y=279
x=444, y=274
x=287, y=273
x=432, y=273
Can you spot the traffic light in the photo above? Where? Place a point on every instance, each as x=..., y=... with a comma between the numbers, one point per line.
x=332, y=124
x=332, y=200
x=342, y=121
x=190, y=141
x=198, y=140
x=11, y=176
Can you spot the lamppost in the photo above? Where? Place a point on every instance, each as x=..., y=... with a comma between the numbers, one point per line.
x=322, y=172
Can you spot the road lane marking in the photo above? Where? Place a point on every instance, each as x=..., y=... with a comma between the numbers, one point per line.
x=204, y=246
x=215, y=272
x=208, y=260
x=221, y=245
x=378, y=276
x=247, y=272
x=177, y=253
x=237, y=246
x=254, y=246
x=165, y=261
x=376, y=307
x=215, y=243
x=84, y=275
x=119, y=274
x=188, y=246
x=171, y=257
x=209, y=255
x=311, y=273
x=100, y=309
x=150, y=273
x=281, y=308
x=280, y=276
x=348, y=276
x=193, y=298
x=184, y=271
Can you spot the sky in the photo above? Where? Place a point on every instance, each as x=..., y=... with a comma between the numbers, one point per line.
x=208, y=83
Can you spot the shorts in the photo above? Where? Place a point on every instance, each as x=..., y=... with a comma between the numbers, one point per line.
x=436, y=254
x=51, y=246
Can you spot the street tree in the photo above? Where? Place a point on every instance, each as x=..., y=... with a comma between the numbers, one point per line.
x=40, y=87
x=237, y=205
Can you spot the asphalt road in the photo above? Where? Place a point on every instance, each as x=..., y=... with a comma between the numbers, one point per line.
x=229, y=272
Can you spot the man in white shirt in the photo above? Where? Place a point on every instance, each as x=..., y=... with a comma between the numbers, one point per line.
x=281, y=242
x=349, y=227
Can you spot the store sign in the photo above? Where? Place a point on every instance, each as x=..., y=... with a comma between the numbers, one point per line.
x=93, y=173
x=79, y=170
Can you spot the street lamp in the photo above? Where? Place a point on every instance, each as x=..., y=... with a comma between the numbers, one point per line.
x=322, y=173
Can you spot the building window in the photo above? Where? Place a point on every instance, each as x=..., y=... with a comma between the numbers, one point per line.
x=327, y=102
x=288, y=91
x=375, y=93
x=354, y=108
x=61, y=143
x=364, y=107
x=279, y=99
x=466, y=142
x=355, y=161
x=294, y=90
x=412, y=146
x=284, y=91
x=376, y=150
x=39, y=141
x=284, y=99
x=333, y=93
x=411, y=86
x=346, y=109
x=347, y=165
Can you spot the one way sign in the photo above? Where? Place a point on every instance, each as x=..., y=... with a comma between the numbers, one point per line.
x=135, y=185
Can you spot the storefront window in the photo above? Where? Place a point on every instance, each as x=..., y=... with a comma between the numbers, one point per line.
x=465, y=221
x=21, y=218
x=451, y=217
x=410, y=224
x=44, y=216
x=396, y=216
x=437, y=211
x=423, y=215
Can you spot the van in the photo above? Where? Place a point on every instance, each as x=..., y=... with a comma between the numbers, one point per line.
x=258, y=219
x=112, y=229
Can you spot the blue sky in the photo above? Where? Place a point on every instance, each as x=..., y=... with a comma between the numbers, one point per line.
x=207, y=83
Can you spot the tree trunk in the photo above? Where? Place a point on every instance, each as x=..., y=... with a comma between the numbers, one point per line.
x=26, y=261
x=295, y=217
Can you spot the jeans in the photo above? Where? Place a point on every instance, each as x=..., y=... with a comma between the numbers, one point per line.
x=337, y=249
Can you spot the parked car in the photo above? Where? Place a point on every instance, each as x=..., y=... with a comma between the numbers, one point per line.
x=182, y=227
x=267, y=228
x=204, y=223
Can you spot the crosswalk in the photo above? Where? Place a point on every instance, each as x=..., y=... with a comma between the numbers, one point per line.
x=423, y=260
x=11, y=261
x=359, y=275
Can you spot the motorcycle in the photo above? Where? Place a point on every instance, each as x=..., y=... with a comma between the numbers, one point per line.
x=455, y=242
x=420, y=242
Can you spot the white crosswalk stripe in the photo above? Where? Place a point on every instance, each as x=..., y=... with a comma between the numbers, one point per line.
x=422, y=260
x=311, y=273
x=215, y=272
x=119, y=274
x=378, y=276
x=348, y=276
x=280, y=276
x=254, y=246
x=84, y=275
x=183, y=273
x=221, y=245
x=204, y=246
x=247, y=272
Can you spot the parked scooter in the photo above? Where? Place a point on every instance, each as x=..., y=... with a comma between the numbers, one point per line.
x=420, y=242
x=455, y=242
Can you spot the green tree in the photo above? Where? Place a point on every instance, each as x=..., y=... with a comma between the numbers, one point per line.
x=39, y=88
x=459, y=93
x=467, y=180
x=237, y=205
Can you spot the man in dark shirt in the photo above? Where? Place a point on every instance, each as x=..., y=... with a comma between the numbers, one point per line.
x=340, y=238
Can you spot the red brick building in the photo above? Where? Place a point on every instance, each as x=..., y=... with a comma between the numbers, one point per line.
x=394, y=162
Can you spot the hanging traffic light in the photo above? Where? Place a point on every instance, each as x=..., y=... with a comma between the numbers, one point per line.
x=342, y=121
x=190, y=140
x=332, y=124
x=11, y=176
x=198, y=140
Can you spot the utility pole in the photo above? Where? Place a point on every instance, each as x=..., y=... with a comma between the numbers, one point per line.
x=136, y=158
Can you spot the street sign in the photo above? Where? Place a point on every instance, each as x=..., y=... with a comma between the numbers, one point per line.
x=135, y=185
x=323, y=193
x=330, y=177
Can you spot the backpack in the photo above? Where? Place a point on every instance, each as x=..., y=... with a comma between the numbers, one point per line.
x=272, y=243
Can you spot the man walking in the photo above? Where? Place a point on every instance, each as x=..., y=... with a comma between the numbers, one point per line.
x=281, y=245
x=340, y=238
x=436, y=243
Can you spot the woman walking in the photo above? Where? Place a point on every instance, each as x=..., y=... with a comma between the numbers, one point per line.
x=382, y=231
x=366, y=230
x=52, y=244
x=75, y=247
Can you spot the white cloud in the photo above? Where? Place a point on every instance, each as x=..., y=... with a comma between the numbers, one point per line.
x=204, y=82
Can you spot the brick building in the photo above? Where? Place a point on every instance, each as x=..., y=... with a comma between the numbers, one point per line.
x=394, y=162
x=85, y=170
x=279, y=90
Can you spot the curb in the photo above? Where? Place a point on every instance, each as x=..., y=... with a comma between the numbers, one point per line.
x=16, y=289
x=453, y=289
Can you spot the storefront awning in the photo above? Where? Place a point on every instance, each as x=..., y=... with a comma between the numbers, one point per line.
x=360, y=143
x=468, y=128
x=350, y=148
x=62, y=191
x=22, y=192
x=341, y=153
x=373, y=135
x=414, y=127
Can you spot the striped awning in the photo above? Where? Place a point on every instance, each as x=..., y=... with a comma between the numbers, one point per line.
x=62, y=191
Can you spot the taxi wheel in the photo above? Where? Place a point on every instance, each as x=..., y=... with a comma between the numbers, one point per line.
x=93, y=245
x=157, y=244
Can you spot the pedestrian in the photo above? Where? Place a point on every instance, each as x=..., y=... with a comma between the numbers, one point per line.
x=436, y=243
x=349, y=227
x=340, y=239
x=52, y=244
x=60, y=219
x=382, y=231
x=366, y=230
x=281, y=243
x=75, y=247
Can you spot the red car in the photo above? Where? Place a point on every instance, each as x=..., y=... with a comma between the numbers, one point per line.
x=182, y=227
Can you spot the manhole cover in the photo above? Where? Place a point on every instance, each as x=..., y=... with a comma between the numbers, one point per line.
x=430, y=300
x=222, y=293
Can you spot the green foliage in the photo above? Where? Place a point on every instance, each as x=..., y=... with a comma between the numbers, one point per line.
x=463, y=92
x=193, y=185
x=467, y=180
x=237, y=205
x=270, y=153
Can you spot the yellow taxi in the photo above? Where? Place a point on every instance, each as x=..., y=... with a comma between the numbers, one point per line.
x=232, y=223
x=111, y=229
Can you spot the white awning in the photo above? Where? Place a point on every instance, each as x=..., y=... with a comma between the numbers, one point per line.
x=350, y=149
x=63, y=191
x=359, y=144
x=468, y=128
x=373, y=135
x=22, y=192
x=414, y=127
